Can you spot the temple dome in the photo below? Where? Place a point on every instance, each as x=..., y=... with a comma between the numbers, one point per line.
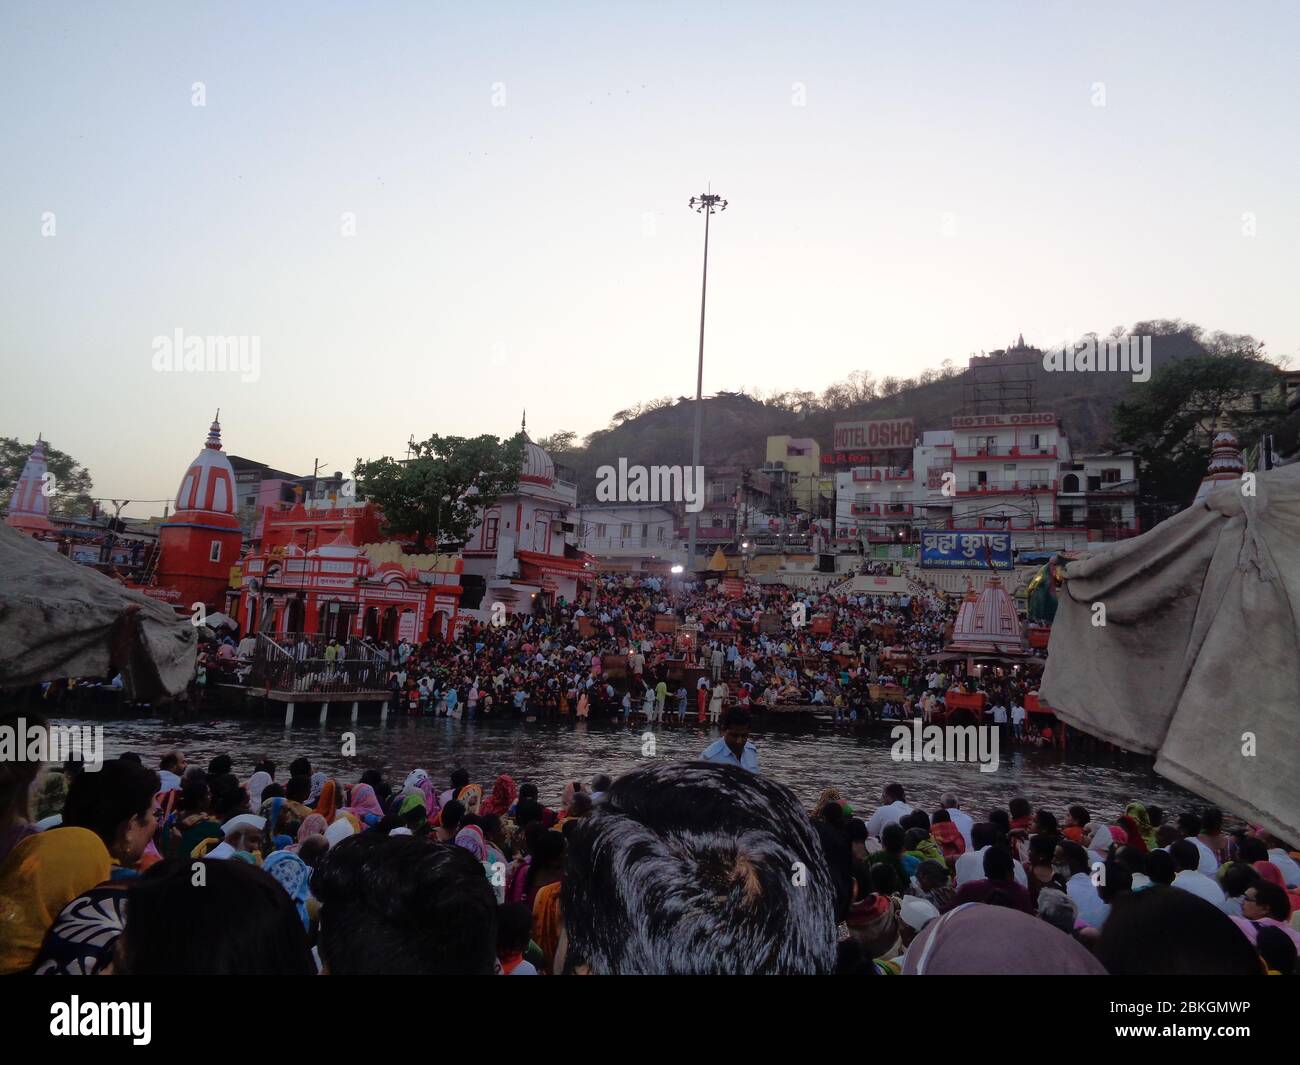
x=208, y=487
x=1227, y=464
x=29, y=507
x=987, y=623
x=538, y=466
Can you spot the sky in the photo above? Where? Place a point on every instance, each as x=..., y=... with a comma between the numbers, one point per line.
x=431, y=216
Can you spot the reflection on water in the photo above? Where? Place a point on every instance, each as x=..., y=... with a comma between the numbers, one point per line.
x=550, y=755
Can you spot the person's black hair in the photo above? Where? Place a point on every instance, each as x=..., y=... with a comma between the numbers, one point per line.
x=229, y=797
x=855, y=830
x=1042, y=849
x=601, y=782
x=396, y=905
x=893, y=837
x=913, y=838
x=1019, y=807
x=452, y=813
x=916, y=819
x=884, y=880
x=894, y=793
x=490, y=824
x=1001, y=819
x=527, y=790
x=1155, y=815
x=1277, y=949
x=1237, y=877
x=983, y=834
x=514, y=927
x=851, y=960
x=373, y=777
x=236, y=921
x=699, y=868
x=1189, y=824
x=580, y=805
x=272, y=791
x=1211, y=820
x=1164, y=931
x=932, y=869
x=300, y=767
x=1252, y=849
x=1161, y=868
x=1116, y=880
x=1132, y=859
x=1046, y=822
x=998, y=864
x=313, y=849
x=469, y=820
x=220, y=765
x=130, y=756
x=1185, y=854
x=528, y=812
x=1075, y=856
x=265, y=765
x=104, y=801
x=1273, y=898
x=941, y=817
x=297, y=789
x=735, y=717
x=459, y=779
x=1079, y=815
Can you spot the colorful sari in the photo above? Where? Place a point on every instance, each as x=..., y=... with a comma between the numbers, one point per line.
x=39, y=878
x=327, y=804
x=294, y=875
x=502, y=797
x=471, y=796
x=548, y=920
x=1139, y=814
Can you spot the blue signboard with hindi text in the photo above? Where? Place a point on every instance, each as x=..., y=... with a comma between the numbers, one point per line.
x=965, y=550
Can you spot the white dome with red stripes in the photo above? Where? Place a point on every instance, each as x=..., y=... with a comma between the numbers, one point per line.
x=208, y=486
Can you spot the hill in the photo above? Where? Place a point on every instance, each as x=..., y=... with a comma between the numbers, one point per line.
x=736, y=425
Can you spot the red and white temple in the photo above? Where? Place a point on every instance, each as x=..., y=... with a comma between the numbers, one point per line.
x=987, y=623
x=202, y=539
x=29, y=506
x=324, y=568
x=522, y=547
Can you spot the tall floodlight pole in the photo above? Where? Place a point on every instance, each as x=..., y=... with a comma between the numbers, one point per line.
x=705, y=204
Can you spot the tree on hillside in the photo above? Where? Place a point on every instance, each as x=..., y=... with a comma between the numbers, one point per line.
x=439, y=493
x=72, y=483
x=1171, y=420
x=559, y=443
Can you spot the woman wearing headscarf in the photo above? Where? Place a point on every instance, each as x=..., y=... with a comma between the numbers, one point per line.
x=327, y=802
x=1138, y=812
x=502, y=797
x=312, y=825
x=42, y=874
x=280, y=829
x=294, y=875
x=975, y=940
x=256, y=785
x=471, y=797
x=1132, y=833
x=313, y=793
x=364, y=805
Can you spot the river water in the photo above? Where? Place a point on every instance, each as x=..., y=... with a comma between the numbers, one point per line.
x=551, y=754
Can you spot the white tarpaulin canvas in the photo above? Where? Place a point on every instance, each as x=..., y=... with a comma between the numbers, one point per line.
x=60, y=619
x=1198, y=662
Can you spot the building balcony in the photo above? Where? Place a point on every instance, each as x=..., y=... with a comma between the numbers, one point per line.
x=1014, y=451
x=604, y=544
x=1006, y=488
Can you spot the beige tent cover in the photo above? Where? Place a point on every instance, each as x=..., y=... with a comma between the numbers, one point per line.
x=1198, y=662
x=60, y=619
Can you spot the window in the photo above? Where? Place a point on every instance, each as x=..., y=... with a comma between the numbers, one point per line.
x=1035, y=442
x=721, y=492
x=627, y=532
x=661, y=533
x=1038, y=477
x=645, y=529
x=1110, y=476
x=600, y=531
x=490, y=532
x=214, y=552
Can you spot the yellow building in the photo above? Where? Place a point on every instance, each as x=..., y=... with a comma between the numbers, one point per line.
x=795, y=465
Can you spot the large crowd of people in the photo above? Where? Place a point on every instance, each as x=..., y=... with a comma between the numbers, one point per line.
x=641, y=649
x=674, y=867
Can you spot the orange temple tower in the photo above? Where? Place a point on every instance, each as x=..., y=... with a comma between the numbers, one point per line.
x=202, y=540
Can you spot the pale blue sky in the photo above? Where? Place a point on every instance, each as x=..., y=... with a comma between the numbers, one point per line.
x=541, y=254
